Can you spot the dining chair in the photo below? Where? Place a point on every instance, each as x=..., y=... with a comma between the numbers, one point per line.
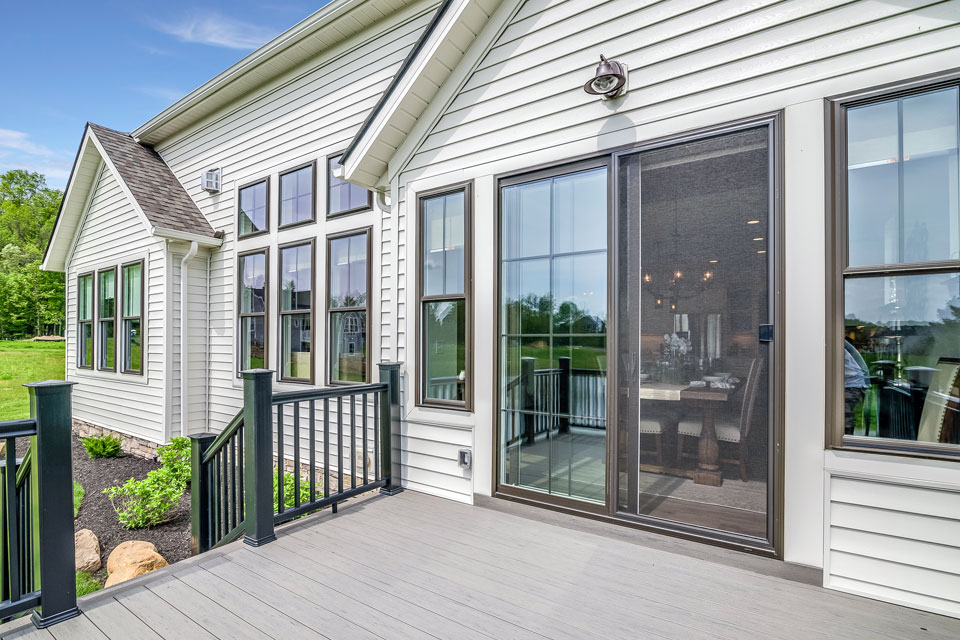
x=655, y=427
x=939, y=419
x=731, y=428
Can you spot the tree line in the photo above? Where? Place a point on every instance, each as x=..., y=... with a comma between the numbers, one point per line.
x=31, y=300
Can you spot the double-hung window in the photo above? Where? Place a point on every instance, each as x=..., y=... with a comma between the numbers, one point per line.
x=347, y=306
x=252, y=310
x=444, y=311
x=253, y=212
x=85, y=321
x=132, y=317
x=344, y=197
x=296, y=312
x=895, y=365
x=107, y=319
x=296, y=195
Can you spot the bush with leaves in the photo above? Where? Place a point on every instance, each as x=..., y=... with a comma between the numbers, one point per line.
x=289, y=491
x=175, y=458
x=102, y=446
x=147, y=502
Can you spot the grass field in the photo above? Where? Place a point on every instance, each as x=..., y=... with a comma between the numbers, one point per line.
x=22, y=362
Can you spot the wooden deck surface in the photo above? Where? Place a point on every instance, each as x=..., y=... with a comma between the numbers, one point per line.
x=413, y=566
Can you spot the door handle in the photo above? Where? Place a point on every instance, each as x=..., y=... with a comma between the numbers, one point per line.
x=766, y=333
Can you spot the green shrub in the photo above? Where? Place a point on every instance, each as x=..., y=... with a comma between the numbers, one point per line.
x=147, y=502
x=102, y=446
x=175, y=458
x=87, y=584
x=78, y=493
x=289, y=491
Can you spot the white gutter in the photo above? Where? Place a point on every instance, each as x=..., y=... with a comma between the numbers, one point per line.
x=382, y=201
x=184, y=351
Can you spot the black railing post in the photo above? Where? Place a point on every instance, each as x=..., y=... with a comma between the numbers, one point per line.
x=527, y=392
x=200, y=493
x=563, y=394
x=258, y=456
x=390, y=428
x=53, y=462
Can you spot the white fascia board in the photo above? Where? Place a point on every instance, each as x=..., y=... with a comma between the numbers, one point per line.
x=50, y=259
x=351, y=169
x=172, y=234
x=285, y=40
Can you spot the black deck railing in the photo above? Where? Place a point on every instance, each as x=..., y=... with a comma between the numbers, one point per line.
x=317, y=435
x=36, y=510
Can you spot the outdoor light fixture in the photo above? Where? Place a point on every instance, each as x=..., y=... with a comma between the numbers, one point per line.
x=609, y=81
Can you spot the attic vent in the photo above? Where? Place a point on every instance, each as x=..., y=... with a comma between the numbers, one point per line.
x=211, y=180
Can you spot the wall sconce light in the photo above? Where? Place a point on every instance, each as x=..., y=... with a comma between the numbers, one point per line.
x=609, y=80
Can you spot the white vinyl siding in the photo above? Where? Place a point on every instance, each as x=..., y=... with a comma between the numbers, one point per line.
x=112, y=233
x=304, y=115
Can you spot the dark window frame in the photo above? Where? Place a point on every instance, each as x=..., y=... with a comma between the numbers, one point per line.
x=266, y=213
x=313, y=196
x=297, y=312
x=346, y=212
x=467, y=296
x=123, y=317
x=99, y=345
x=266, y=306
x=329, y=311
x=838, y=269
x=92, y=321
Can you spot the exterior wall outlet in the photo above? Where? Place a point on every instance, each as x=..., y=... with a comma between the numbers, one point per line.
x=464, y=458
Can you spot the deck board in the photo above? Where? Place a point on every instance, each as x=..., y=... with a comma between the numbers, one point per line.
x=413, y=566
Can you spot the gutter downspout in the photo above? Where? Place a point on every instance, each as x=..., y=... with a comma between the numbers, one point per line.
x=184, y=351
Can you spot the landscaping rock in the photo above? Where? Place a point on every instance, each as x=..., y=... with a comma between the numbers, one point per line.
x=86, y=551
x=131, y=559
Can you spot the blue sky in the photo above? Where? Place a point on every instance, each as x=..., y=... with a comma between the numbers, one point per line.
x=116, y=63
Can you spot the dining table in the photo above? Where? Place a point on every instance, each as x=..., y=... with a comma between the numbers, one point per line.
x=708, y=399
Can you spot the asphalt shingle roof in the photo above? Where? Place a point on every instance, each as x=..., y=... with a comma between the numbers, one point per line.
x=158, y=192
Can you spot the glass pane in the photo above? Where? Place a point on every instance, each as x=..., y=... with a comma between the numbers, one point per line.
x=108, y=346
x=252, y=283
x=108, y=294
x=131, y=290
x=348, y=271
x=296, y=196
x=693, y=270
x=344, y=196
x=348, y=346
x=444, y=350
x=253, y=208
x=444, y=256
x=296, y=278
x=296, y=342
x=902, y=357
x=85, y=341
x=252, y=352
x=903, y=179
x=85, y=297
x=547, y=290
x=132, y=345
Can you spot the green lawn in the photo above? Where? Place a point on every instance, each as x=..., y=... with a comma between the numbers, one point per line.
x=22, y=362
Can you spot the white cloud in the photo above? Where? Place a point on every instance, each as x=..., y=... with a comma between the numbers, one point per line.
x=19, y=141
x=218, y=30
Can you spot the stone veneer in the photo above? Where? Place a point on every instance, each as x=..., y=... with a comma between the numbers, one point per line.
x=130, y=444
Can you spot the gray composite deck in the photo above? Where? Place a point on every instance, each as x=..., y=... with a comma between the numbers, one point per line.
x=413, y=566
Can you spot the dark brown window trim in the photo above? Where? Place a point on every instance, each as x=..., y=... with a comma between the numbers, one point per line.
x=313, y=196
x=368, y=207
x=92, y=320
x=98, y=344
x=837, y=269
x=298, y=312
x=266, y=213
x=368, y=231
x=124, y=318
x=266, y=305
x=467, y=296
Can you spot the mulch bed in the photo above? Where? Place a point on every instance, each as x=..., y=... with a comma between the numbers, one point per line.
x=172, y=539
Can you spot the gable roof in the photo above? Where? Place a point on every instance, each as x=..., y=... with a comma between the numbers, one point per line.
x=164, y=206
x=453, y=43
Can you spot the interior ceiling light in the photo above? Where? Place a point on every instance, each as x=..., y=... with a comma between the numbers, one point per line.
x=757, y=239
x=753, y=222
x=609, y=81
